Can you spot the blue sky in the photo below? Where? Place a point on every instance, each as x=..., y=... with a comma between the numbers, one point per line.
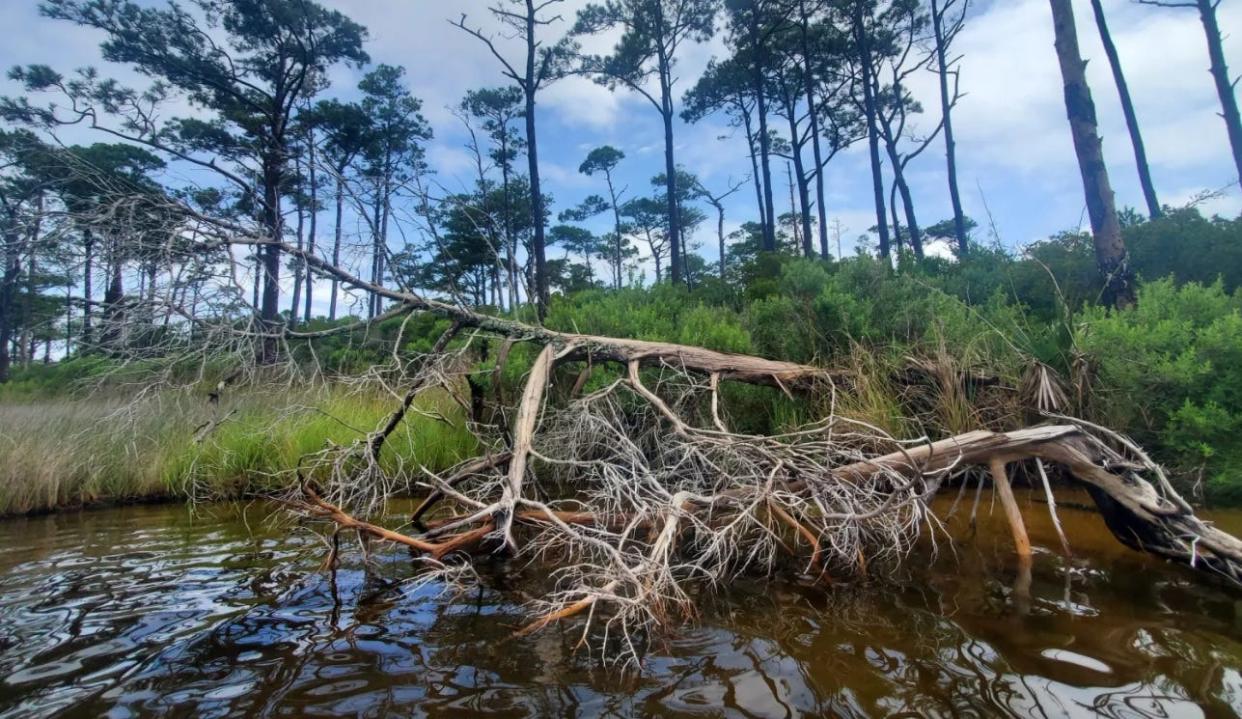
x=1015, y=151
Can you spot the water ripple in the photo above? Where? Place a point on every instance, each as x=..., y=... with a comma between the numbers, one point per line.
x=151, y=611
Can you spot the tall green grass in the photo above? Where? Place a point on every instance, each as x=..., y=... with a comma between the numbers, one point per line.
x=71, y=452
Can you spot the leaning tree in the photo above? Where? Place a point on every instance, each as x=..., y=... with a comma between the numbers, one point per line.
x=1110, y=250
x=1226, y=86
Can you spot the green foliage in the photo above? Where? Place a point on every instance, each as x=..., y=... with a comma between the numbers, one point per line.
x=664, y=313
x=259, y=444
x=52, y=380
x=778, y=330
x=1170, y=373
x=1189, y=247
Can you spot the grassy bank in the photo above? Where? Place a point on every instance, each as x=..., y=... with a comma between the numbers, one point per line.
x=63, y=452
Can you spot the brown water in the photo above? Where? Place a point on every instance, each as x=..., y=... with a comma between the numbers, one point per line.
x=150, y=611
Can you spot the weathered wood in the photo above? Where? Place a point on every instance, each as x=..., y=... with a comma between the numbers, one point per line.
x=1132, y=508
x=729, y=365
x=1000, y=480
x=1157, y=522
x=523, y=434
x=1110, y=248
x=1138, y=515
x=465, y=471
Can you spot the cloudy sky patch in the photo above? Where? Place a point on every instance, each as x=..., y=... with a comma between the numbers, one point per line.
x=1014, y=143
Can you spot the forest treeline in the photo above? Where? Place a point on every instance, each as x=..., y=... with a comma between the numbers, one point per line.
x=117, y=252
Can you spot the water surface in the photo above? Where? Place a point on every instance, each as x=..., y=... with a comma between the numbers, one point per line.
x=154, y=611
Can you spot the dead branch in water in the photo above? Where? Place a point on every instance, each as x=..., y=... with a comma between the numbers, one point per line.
x=637, y=493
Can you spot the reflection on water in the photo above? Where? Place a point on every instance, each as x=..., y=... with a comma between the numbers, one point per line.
x=148, y=611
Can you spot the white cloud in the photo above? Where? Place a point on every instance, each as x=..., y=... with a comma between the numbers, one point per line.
x=582, y=102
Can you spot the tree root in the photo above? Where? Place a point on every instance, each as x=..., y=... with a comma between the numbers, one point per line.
x=639, y=563
x=643, y=491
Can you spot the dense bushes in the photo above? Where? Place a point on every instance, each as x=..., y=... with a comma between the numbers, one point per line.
x=1170, y=373
x=664, y=312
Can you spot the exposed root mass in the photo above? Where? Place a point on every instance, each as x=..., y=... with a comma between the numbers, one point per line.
x=635, y=496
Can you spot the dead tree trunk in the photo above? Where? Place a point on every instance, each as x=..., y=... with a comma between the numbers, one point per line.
x=1110, y=249
x=1127, y=108
x=1220, y=75
x=863, y=47
x=942, y=37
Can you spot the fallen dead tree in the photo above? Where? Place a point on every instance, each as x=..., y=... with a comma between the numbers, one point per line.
x=638, y=494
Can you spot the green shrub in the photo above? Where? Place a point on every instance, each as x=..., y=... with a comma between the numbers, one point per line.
x=1170, y=373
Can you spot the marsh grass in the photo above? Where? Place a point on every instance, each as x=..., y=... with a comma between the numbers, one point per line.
x=72, y=452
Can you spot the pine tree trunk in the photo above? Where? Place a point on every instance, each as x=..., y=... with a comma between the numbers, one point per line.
x=336, y=240
x=898, y=238
x=1220, y=75
x=69, y=320
x=382, y=257
x=536, y=195
x=616, y=225
x=114, y=294
x=755, y=177
x=295, y=302
x=808, y=89
x=873, y=134
x=765, y=144
x=674, y=211
x=1127, y=109
x=12, y=271
x=507, y=218
x=950, y=144
x=32, y=272
x=907, y=199
x=803, y=185
x=314, y=223
x=1110, y=249
x=152, y=272
x=258, y=281
x=655, y=255
x=899, y=179
x=532, y=155
x=372, y=300
x=272, y=177
x=670, y=166
x=88, y=251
